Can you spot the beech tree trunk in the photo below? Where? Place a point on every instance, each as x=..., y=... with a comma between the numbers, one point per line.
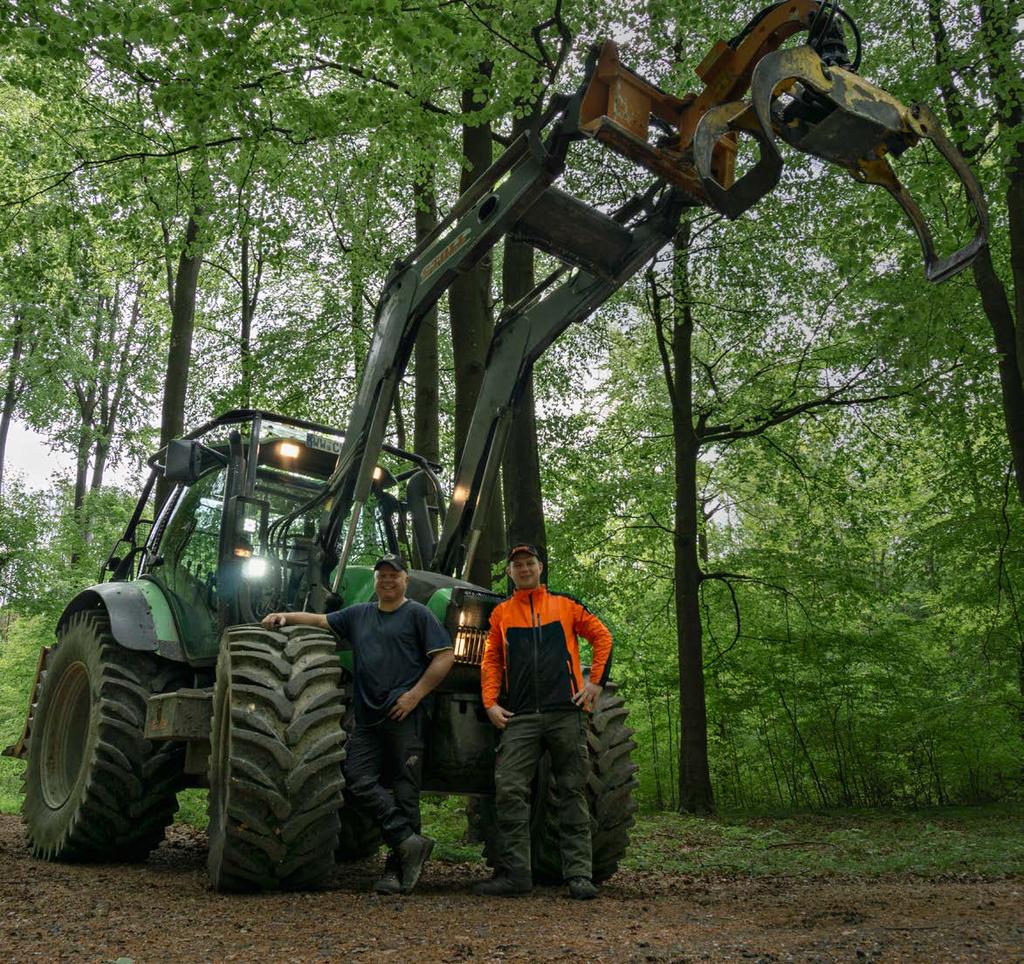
x=182, y=301
x=250, y=295
x=12, y=390
x=695, y=792
x=524, y=508
x=426, y=399
x=469, y=302
x=114, y=387
x=1004, y=310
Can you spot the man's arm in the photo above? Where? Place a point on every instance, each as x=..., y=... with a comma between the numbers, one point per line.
x=276, y=620
x=492, y=666
x=440, y=664
x=596, y=633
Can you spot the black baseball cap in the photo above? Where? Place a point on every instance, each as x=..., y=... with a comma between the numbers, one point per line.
x=523, y=547
x=396, y=562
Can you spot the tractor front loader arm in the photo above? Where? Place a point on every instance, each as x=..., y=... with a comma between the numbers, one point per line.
x=810, y=96
x=528, y=328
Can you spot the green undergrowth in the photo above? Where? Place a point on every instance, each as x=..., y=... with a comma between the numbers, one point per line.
x=10, y=784
x=983, y=841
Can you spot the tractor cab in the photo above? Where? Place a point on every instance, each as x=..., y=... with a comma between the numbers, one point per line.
x=237, y=536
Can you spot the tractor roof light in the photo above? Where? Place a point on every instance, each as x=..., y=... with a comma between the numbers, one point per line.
x=288, y=450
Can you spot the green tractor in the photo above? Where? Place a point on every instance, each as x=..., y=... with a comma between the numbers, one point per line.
x=163, y=678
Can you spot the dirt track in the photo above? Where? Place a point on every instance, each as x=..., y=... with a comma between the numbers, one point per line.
x=162, y=910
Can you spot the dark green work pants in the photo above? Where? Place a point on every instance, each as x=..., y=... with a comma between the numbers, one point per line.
x=523, y=742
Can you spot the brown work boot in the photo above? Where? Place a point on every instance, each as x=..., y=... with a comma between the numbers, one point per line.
x=502, y=885
x=413, y=853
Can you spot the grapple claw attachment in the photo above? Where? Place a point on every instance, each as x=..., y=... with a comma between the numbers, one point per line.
x=834, y=114
x=925, y=124
x=720, y=122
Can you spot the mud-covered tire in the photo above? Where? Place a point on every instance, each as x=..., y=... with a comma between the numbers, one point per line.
x=610, y=787
x=95, y=788
x=275, y=760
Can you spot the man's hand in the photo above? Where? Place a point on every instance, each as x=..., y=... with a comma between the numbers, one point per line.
x=404, y=705
x=587, y=697
x=499, y=716
x=275, y=621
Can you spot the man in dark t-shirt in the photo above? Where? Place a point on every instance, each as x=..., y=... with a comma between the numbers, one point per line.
x=400, y=654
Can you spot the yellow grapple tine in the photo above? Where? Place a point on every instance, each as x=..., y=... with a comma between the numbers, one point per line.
x=865, y=124
x=735, y=117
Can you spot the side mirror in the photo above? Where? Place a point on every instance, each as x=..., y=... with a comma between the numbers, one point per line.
x=183, y=462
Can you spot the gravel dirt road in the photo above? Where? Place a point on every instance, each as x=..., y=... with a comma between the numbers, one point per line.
x=163, y=911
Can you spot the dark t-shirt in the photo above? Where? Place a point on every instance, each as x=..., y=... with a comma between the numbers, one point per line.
x=390, y=651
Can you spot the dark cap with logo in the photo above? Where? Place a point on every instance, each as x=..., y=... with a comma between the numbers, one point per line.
x=396, y=563
x=523, y=547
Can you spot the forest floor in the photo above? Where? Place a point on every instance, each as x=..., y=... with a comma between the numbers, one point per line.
x=672, y=901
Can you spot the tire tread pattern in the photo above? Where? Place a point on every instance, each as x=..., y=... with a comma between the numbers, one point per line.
x=120, y=809
x=275, y=796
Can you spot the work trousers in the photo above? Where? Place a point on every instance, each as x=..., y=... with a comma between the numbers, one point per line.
x=388, y=752
x=524, y=740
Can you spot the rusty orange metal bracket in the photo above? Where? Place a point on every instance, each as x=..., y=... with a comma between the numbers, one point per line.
x=619, y=106
x=830, y=113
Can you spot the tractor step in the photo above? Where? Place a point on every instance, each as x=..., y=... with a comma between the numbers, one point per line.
x=181, y=715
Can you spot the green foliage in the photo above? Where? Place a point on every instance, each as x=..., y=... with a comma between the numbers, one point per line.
x=192, y=808
x=19, y=653
x=935, y=842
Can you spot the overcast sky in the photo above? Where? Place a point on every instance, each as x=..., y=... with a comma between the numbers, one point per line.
x=29, y=457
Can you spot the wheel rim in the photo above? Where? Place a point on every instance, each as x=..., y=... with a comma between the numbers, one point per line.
x=66, y=735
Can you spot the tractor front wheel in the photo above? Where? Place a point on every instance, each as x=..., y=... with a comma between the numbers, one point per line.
x=275, y=760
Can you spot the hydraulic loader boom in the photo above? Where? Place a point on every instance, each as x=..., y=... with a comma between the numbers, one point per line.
x=809, y=96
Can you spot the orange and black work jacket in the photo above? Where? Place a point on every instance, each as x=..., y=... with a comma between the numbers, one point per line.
x=532, y=658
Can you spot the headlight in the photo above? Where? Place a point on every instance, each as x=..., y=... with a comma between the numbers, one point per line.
x=255, y=568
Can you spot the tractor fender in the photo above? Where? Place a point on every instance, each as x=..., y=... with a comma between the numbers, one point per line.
x=140, y=616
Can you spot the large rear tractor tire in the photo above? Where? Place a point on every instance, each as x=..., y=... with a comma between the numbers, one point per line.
x=95, y=788
x=610, y=787
x=276, y=746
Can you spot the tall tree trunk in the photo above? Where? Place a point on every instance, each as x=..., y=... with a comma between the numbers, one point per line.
x=469, y=302
x=524, y=509
x=250, y=297
x=87, y=388
x=426, y=401
x=182, y=297
x=695, y=794
x=1004, y=311
x=12, y=390
x=245, y=333
x=675, y=344
x=113, y=391
x=1004, y=332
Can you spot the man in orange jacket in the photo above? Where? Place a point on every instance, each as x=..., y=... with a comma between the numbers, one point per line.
x=531, y=663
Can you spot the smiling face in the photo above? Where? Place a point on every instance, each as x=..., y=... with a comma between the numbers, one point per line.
x=390, y=584
x=525, y=570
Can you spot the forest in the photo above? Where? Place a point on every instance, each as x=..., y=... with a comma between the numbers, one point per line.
x=784, y=468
